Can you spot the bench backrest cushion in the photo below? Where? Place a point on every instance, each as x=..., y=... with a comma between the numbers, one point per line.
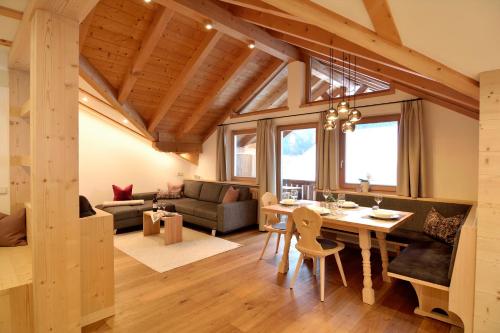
x=210, y=192
x=192, y=189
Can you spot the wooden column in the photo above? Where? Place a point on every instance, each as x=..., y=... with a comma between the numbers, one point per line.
x=487, y=286
x=54, y=173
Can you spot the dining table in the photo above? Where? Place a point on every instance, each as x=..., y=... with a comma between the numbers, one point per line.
x=356, y=220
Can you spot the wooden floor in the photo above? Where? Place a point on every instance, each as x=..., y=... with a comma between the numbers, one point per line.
x=234, y=292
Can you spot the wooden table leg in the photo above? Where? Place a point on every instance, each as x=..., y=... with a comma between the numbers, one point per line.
x=148, y=227
x=283, y=267
x=365, y=245
x=383, y=255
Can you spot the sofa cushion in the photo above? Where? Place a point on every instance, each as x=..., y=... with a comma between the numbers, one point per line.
x=13, y=228
x=210, y=192
x=442, y=228
x=122, y=212
x=244, y=192
x=186, y=205
x=120, y=194
x=144, y=196
x=427, y=261
x=207, y=210
x=192, y=189
x=407, y=236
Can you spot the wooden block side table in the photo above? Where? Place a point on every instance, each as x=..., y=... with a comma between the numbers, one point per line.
x=173, y=229
x=148, y=227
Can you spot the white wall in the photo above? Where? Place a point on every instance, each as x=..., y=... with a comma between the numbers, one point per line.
x=451, y=141
x=4, y=134
x=110, y=154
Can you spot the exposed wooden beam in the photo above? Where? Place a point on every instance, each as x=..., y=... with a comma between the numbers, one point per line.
x=311, y=33
x=178, y=147
x=383, y=22
x=361, y=89
x=319, y=91
x=234, y=27
x=338, y=92
x=19, y=55
x=261, y=7
x=437, y=100
x=185, y=76
x=152, y=36
x=405, y=56
x=255, y=87
x=190, y=157
x=12, y=13
x=276, y=97
x=84, y=28
x=99, y=83
x=218, y=87
x=389, y=73
x=5, y=42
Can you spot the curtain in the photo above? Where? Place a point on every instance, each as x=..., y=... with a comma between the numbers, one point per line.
x=220, y=163
x=411, y=154
x=266, y=161
x=326, y=157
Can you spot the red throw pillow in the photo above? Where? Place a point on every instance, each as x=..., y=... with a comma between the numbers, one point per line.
x=13, y=229
x=122, y=194
x=232, y=195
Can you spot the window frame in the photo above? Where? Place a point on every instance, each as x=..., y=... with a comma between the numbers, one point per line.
x=342, y=149
x=281, y=128
x=234, y=133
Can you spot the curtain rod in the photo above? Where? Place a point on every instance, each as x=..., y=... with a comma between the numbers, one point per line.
x=316, y=112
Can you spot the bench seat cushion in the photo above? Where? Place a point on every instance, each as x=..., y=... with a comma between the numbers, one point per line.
x=427, y=261
x=407, y=236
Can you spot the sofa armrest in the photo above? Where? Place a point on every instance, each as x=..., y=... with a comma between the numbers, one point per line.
x=235, y=215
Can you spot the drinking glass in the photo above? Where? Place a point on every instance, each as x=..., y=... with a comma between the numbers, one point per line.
x=285, y=195
x=378, y=200
x=341, y=199
x=294, y=194
x=326, y=193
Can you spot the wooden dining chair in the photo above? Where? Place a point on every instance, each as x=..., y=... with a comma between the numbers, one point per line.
x=311, y=244
x=272, y=225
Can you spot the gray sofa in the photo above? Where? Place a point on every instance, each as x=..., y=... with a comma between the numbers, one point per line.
x=201, y=205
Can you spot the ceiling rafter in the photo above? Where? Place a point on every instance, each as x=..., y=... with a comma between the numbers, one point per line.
x=12, y=13
x=261, y=7
x=389, y=73
x=185, y=76
x=218, y=87
x=320, y=90
x=383, y=22
x=255, y=87
x=99, y=83
x=234, y=27
x=361, y=89
x=5, y=42
x=276, y=97
x=151, y=38
x=405, y=56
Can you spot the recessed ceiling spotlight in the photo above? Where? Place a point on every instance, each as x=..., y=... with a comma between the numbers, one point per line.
x=147, y=1
x=209, y=25
x=125, y=121
x=85, y=99
x=251, y=45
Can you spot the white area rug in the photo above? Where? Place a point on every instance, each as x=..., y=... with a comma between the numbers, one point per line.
x=152, y=252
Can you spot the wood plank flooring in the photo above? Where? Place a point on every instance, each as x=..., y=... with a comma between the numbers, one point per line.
x=234, y=292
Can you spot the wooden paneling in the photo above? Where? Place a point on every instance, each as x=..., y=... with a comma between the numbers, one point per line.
x=487, y=292
x=54, y=176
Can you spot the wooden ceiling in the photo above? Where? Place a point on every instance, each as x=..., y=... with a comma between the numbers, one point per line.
x=175, y=81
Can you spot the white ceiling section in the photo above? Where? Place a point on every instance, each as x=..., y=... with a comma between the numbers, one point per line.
x=462, y=34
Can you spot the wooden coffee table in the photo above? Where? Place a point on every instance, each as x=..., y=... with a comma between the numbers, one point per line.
x=173, y=227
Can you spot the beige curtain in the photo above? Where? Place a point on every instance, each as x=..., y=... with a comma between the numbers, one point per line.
x=411, y=154
x=266, y=161
x=326, y=157
x=220, y=163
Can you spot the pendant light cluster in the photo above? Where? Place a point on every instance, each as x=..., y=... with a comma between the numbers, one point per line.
x=343, y=109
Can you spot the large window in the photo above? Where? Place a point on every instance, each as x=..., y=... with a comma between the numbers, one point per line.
x=370, y=152
x=297, y=159
x=243, y=155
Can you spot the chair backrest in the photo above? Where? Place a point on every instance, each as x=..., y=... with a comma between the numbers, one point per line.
x=308, y=224
x=269, y=199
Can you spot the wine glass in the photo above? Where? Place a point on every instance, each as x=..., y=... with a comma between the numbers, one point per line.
x=294, y=194
x=326, y=193
x=341, y=200
x=378, y=200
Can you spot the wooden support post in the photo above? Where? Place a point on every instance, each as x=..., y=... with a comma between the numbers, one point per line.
x=54, y=177
x=487, y=291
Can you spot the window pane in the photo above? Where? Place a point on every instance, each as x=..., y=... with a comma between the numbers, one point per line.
x=298, y=156
x=245, y=155
x=371, y=151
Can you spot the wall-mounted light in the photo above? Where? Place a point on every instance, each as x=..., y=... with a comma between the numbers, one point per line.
x=251, y=45
x=208, y=25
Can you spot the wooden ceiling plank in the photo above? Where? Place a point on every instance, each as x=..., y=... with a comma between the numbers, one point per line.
x=85, y=28
x=152, y=36
x=12, y=13
x=187, y=73
x=261, y=7
x=198, y=113
x=19, y=55
x=99, y=83
x=388, y=73
x=276, y=96
x=383, y=22
x=234, y=27
x=256, y=86
x=405, y=56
